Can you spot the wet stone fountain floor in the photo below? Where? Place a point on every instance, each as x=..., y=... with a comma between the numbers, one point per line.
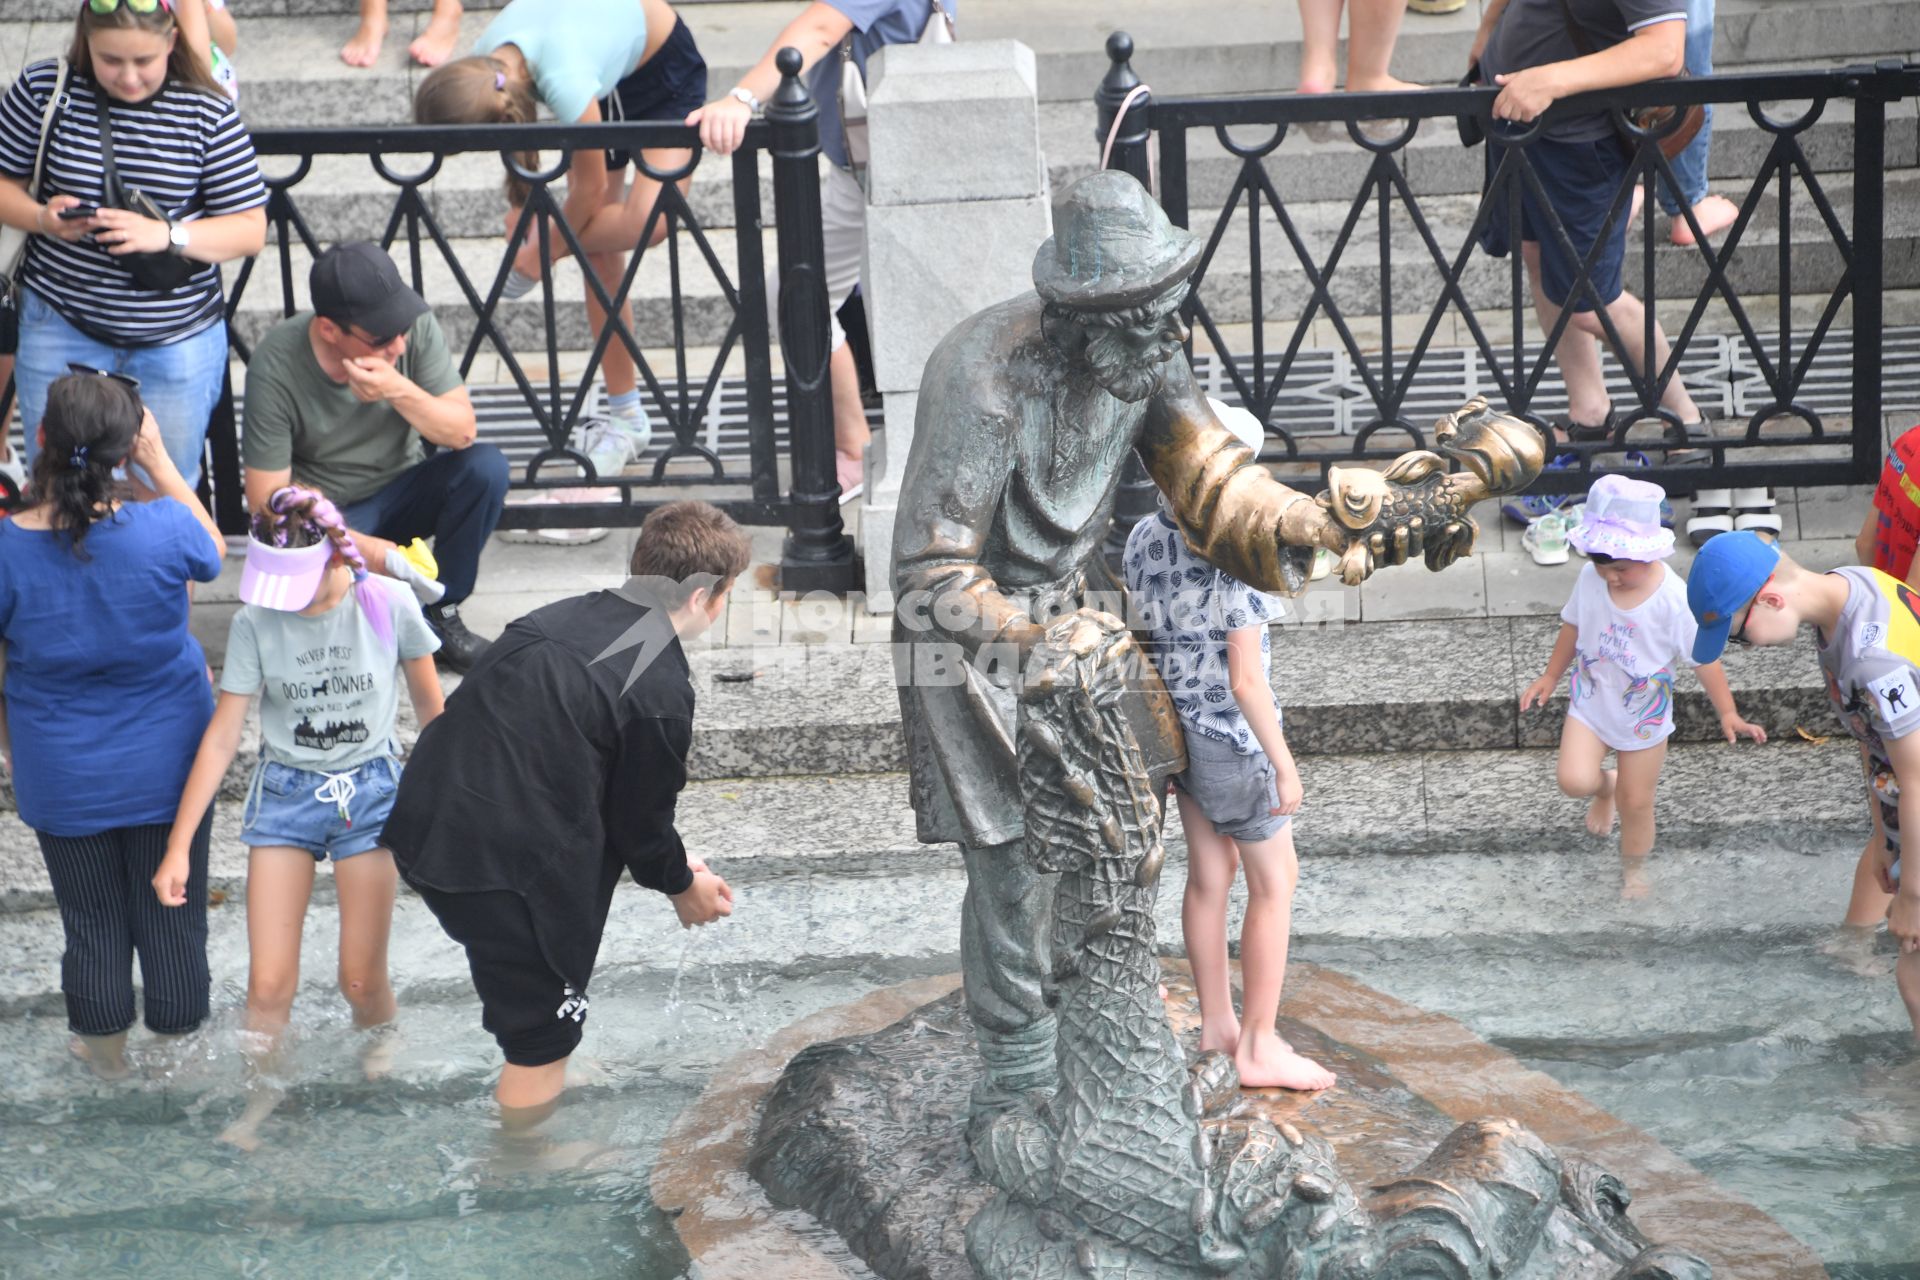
x=1706, y=1015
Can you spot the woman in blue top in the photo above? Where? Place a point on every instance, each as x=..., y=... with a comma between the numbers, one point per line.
x=587, y=61
x=106, y=696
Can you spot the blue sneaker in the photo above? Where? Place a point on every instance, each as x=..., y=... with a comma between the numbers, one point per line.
x=1529, y=507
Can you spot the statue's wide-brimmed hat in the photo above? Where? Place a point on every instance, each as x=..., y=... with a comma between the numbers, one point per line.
x=1112, y=246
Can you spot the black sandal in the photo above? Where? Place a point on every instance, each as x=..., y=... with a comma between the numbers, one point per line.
x=1688, y=454
x=1581, y=433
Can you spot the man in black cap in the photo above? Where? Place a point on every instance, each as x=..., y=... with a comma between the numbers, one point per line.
x=345, y=398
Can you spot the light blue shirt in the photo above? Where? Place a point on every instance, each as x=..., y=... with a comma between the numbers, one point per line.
x=1189, y=607
x=577, y=50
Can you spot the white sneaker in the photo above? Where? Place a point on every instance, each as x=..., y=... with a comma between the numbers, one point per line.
x=1546, y=539
x=607, y=444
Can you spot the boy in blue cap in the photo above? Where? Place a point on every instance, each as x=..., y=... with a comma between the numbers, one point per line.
x=1867, y=632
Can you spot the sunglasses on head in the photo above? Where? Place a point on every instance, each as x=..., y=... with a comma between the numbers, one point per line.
x=126, y=380
x=104, y=7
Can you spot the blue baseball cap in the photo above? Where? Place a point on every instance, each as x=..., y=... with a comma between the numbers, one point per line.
x=1728, y=572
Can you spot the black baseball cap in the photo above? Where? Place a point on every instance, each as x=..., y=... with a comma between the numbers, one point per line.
x=356, y=283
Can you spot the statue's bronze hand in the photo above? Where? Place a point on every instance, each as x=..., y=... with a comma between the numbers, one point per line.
x=1450, y=542
x=1080, y=633
x=1399, y=544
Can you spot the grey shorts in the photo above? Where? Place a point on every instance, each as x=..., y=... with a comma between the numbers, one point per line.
x=1235, y=792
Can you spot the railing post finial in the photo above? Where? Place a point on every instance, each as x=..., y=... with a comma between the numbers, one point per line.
x=1129, y=150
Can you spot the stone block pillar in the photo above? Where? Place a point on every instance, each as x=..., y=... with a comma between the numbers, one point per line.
x=957, y=204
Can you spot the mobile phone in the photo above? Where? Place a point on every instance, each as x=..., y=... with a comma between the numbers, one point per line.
x=77, y=212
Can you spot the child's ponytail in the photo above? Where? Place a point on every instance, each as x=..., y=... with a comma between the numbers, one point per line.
x=299, y=517
x=478, y=90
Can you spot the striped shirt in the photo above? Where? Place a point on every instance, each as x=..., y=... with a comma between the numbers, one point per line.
x=184, y=148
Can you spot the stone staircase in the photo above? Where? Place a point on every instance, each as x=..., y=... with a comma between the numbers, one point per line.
x=291, y=76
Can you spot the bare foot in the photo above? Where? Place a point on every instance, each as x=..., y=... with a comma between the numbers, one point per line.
x=1600, y=812
x=244, y=1133
x=434, y=45
x=376, y=1055
x=364, y=49
x=1634, y=881
x=1280, y=1069
x=1224, y=1036
x=1714, y=214
x=106, y=1061
x=240, y=1136
x=1383, y=84
x=1853, y=948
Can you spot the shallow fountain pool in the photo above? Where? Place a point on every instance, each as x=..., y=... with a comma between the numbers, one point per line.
x=1706, y=1014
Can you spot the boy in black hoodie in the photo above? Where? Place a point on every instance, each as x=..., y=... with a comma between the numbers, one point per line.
x=554, y=768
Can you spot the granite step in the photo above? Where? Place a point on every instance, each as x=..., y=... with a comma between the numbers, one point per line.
x=769, y=830
x=1450, y=684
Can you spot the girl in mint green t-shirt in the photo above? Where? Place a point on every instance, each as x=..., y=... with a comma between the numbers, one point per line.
x=325, y=645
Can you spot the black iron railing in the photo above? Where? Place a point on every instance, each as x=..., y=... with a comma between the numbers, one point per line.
x=795, y=487
x=1415, y=270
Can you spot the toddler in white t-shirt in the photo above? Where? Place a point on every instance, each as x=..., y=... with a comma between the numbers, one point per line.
x=1621, y=633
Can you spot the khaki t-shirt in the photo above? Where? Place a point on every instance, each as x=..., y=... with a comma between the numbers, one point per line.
x=298, y=417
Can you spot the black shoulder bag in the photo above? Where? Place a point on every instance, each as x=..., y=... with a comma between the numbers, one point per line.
x=1646, y=119
x=159, y=272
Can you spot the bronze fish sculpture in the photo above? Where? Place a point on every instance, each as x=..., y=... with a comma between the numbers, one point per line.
x=1417, y=493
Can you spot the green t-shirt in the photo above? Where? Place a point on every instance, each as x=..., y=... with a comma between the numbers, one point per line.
x=298, y=417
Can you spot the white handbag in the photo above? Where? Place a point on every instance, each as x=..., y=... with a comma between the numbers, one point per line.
x=940, y=29
x=13, y=241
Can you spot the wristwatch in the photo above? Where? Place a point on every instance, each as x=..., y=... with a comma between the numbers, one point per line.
x=176, y=238
x=746, y=96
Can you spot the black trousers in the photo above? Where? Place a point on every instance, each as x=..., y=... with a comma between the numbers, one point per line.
x=103, y=883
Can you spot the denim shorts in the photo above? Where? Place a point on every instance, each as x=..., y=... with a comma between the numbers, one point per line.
x=667, y=86
x=1580, y=180
x=1234, y=792
x=328, y=814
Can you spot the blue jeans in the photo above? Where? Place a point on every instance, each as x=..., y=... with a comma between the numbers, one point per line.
x=455, y=497
x=179, y=381
x=1690, y=166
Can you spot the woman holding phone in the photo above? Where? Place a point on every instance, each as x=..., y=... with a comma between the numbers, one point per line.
x=150, y=183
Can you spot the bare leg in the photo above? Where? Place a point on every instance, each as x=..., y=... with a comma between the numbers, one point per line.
x=1906, y=972
x=434, y=45
x=1577, y=354
x=279, y=885
x=1629, y=316
x=364, y=49
x=1212, y=862
x=528, y=1095
x=1580, y=775
x=616, y=366
x=105, y=1056
x=366, y=884
x=850, y=431
x=1263, y=1058
x=1319, y=44
x=1868, y=906
x=1639, y=775
x=1372, y=27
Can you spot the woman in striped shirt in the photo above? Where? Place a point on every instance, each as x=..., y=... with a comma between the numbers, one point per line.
x=179, y=150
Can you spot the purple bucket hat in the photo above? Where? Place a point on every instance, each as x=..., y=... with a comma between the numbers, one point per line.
x=1622, y=520
x=285, y=578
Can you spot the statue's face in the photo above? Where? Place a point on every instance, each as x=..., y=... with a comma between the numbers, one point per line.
x=1127, y=349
